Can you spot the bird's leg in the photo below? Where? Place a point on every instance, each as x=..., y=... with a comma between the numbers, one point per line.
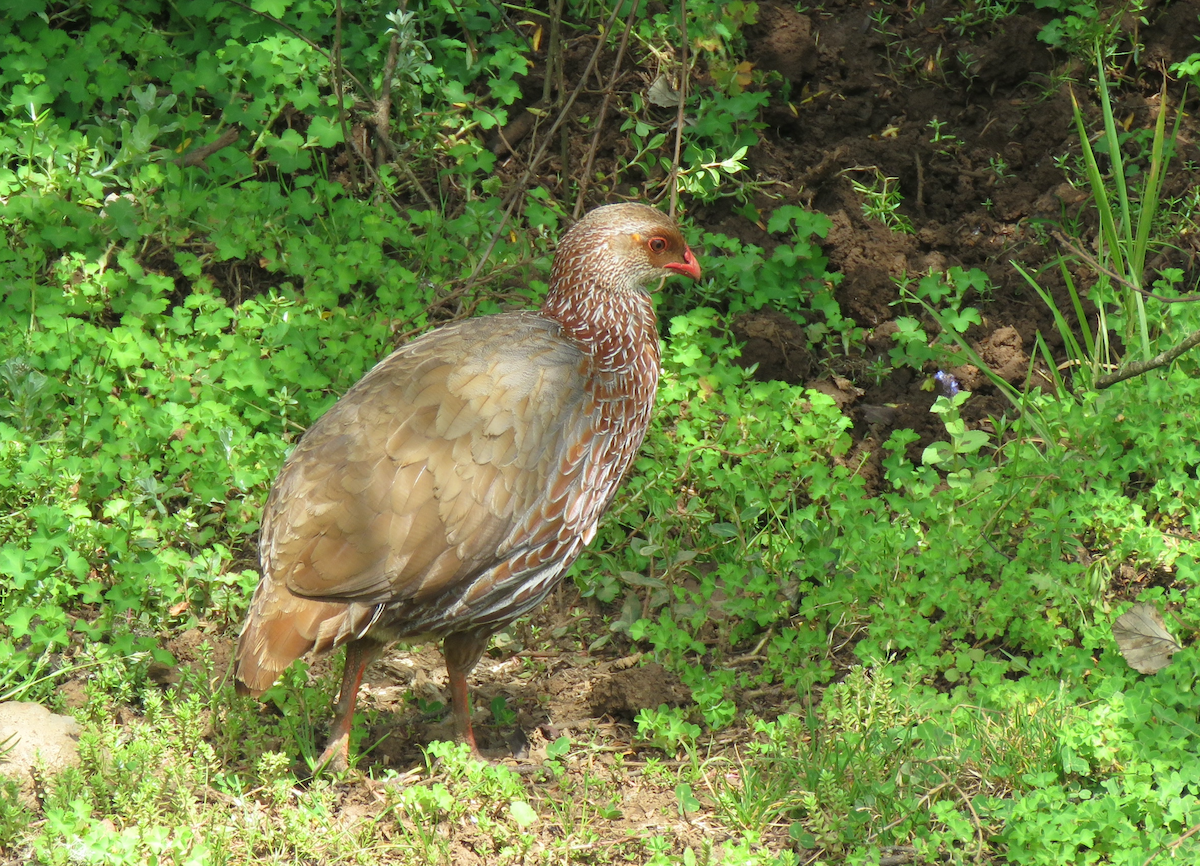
x=359, y=654
x=462, y=651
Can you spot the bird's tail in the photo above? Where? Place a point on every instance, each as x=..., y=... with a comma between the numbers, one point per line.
x=281, y=627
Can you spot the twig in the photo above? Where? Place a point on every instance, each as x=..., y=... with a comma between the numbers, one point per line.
x=683, y=86
x=314, y=46
x=519, y=188
x=455, y=294
x=381, y=120
x=1174, y=845
x=394, y=156
x=378, y=181
x=338, y=90
x=383, y=104
x=608, y=92
x=1095, y=265
x=556, y=74
x=339, y=69
x=1137, y=368
x=197, y=156
x=920, y=184
x=466, y=31
x=554, y=58
x=831, y=163
x=979, y=834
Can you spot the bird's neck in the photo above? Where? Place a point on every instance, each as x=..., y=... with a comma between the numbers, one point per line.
x=617, y=328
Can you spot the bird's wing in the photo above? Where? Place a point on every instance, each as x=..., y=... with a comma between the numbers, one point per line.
x=428, y=472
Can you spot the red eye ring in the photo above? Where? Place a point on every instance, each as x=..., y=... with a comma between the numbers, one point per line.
x=657, y=245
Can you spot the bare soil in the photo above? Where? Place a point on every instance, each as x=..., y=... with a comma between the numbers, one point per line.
x=868, y=100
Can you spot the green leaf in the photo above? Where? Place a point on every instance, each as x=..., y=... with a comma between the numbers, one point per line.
x=687, y=800
x=522, y=813
x=324, y=132
x=274, y=8
x=971, y=441
x=18, y=622
x=13, y=566
x=289, y=153
x=636, y=578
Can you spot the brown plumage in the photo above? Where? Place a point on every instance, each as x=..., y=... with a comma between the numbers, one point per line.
x=447, y=492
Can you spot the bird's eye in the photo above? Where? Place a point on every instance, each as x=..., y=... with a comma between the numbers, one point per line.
x=657, y=245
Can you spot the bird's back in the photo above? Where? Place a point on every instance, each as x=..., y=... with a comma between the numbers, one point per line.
x=448, y=489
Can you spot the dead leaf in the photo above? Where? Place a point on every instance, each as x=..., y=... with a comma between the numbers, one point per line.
x=744, y=70
x=662, y=93
x=1143, y=639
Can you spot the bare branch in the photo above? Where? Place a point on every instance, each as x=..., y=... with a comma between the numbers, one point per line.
x=683, y=87
x=519, y=188
x=586, y=174
x=1137, y=368
x=1095, y=265
x=197, y=156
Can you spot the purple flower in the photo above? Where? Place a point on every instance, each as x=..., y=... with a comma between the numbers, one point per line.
x=947, y=381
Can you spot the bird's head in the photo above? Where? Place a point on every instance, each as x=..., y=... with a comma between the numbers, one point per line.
x=621, y=247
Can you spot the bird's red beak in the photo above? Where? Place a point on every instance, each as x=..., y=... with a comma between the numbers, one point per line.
x=688, y=266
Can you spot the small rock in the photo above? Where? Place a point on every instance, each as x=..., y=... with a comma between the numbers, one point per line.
x=623, y=694
x=36, y=743
x=776, y=343
x=1004, y=353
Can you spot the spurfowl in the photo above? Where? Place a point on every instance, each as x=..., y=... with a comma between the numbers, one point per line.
x=446, y=493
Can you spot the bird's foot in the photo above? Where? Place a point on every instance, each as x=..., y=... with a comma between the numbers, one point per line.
x=336, y=757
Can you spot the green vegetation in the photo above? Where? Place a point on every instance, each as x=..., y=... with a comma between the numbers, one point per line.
x=936, y=646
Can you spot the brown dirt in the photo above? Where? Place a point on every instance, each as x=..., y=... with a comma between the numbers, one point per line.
x=1003, y=95
x=556, y=687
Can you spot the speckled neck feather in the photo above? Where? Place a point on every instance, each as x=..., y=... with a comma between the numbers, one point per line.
x=596, y=293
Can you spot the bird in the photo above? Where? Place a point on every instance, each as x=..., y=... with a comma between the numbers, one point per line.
x=447, y=492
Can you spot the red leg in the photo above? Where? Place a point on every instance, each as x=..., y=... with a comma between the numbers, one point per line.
x=359, y=654
x=462, y=651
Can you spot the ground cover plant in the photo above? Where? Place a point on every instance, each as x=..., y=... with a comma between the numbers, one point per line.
x=926, y=427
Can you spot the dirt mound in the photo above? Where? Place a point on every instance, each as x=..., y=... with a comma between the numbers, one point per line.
x=972, y=121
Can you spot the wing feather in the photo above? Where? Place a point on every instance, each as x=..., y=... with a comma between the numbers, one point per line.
x=427, y=472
